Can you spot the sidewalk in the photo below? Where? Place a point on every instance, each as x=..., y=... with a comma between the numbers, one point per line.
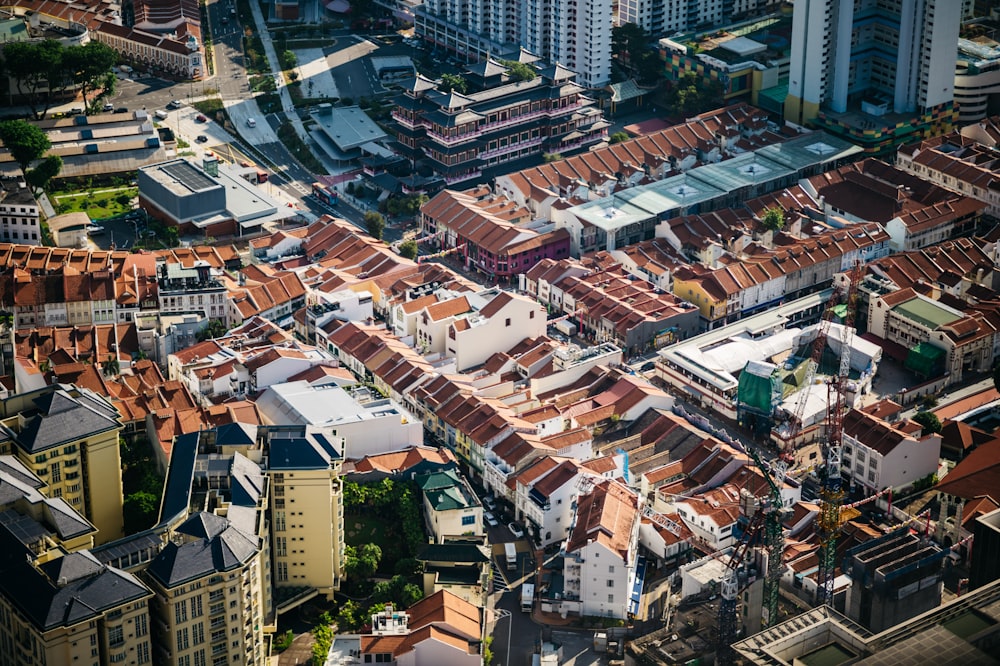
x=276, y=72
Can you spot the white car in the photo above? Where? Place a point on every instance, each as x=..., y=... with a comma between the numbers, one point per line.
x=490, y=503
x=251, y=122
x=516, y=531
x=94, y=229
x=490, y=519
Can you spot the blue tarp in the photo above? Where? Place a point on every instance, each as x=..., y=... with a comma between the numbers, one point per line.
x=636, y=592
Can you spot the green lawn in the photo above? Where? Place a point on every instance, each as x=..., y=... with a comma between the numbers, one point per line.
x=99, y=204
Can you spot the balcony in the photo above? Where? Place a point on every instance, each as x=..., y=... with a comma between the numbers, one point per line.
x=453, y=140
x=406, y=122
x=514, y=147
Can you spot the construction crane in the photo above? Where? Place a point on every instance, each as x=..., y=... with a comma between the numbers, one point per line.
x=769, y=519
x=831, y=496
x=815, y=356
x=728, y=615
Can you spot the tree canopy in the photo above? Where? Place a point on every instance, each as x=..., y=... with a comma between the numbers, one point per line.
x=375, y=224
x=456, y=82
x=89, y=67
x=408, y=249
x=25, y=141
x=689, y=95
x=46, y=170
x=39, y=66
x=519, y=71
x=773, y=219
x=929, y=421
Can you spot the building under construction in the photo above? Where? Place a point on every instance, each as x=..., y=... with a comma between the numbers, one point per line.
x=772, y=390
x=893, y=578
x=964, y=631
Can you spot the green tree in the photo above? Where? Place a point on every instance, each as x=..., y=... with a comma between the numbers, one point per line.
x=408, y=567
x=139, y=511
x=39, y=72
x=110, y=367
x=453, y=82
x=929, y=421
x=214, y=329
x=519, y=71
x=551, y=157
x=89, y=67
x=362, y=563
x=618, y=137
x=375, y=224
x=408, y=249
x=649, y=67
x=627, y=42
x=288, y=60
x=488, y=651
x=40, y=177
x=773, y=219
x=25, y=142
x=322, y=639
x=349, y=617
x=284, y=641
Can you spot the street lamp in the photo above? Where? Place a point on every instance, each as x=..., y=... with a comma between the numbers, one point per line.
x=501, y=614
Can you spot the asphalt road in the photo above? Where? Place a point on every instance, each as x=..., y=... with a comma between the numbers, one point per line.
x=351, y=70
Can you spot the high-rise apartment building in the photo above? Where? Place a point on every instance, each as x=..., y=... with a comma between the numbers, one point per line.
x=303, y=465
x=68, y=437
x=212, y=580
x=667, y=17
x=58, y=603
x=879, y=71
x=572, y=33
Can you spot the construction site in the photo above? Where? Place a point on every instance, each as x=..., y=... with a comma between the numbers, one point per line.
x=785, y=561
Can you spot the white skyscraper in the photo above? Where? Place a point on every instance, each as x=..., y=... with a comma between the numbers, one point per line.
x=882, y=56
x=573, y=33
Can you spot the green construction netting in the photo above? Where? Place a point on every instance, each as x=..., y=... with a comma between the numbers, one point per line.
x=792, y=380
x=840, y=311
x=925, y=360
x=755, y=392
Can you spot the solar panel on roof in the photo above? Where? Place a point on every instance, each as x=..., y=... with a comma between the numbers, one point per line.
x=188, y=176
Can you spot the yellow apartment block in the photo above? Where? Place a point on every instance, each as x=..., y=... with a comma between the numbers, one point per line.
x=68, y=437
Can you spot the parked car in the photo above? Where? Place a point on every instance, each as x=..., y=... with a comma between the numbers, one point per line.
x=490, y=503
x=200, y=118
x=108, y=106
x=516, y=530
x=647, y=366
x=251, y=122
x=175, y=104
x=490, y=519
x=121, y=109
x=202, y=138
x=94, y=229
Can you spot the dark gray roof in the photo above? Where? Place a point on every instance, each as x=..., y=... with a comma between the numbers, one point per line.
x=458, y=553
x=419, y=83
x=298, y=449
x=177, y=489
x=486, y=68
x=62, y=418
x=236, y=434
x=226, y=550
x=65, y=591
x=19, y=472
x=19, y=490
x=204, y=525
x=246, y=481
